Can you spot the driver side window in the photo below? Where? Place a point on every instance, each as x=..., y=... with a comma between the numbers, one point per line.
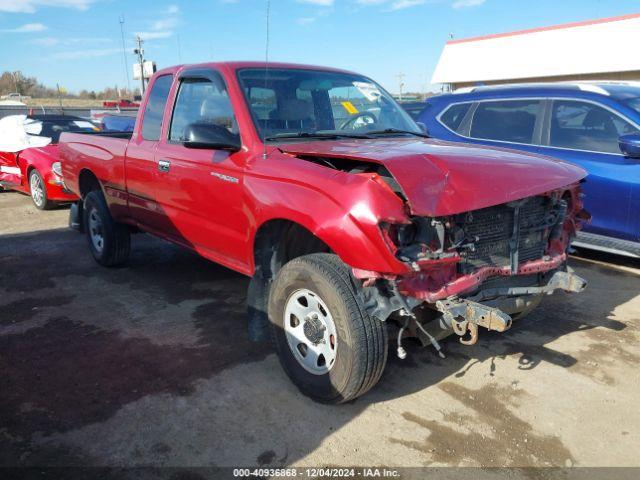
x=201, y=102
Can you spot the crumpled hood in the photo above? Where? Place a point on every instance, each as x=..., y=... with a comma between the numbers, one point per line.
x=442, y=178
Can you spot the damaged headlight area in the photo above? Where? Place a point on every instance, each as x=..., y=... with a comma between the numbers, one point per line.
x=477, y=269
x=422, y=239
x=506, y=235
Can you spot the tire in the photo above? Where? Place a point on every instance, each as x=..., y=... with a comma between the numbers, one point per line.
x=359, y=346
x=109, y=241
x=38, y=191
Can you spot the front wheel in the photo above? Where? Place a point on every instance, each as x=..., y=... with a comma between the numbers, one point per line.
x=109, y=241
x=39, y=191
x=332, y=350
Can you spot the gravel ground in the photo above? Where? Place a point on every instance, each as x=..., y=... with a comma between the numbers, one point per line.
x=150, y=365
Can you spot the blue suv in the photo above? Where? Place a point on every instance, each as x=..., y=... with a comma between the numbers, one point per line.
x=594, y=125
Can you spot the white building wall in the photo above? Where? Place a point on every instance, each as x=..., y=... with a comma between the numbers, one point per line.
x=600, y=46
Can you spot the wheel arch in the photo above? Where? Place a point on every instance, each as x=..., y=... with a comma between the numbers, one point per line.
x=275, y=242
x=88, y=182
x=280, y=240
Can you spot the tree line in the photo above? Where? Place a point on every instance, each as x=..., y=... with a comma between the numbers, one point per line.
x=11, y=82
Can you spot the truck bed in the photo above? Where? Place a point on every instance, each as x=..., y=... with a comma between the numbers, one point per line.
x=102, y=153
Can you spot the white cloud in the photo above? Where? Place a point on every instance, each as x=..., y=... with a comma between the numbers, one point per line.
x=305, y=20
x=393, y=5
x=167, y=24
x=53, y=41
x=322, y=3
x=402, y=4
x=458, y=4
x=84, y=54
x=30, y=6
x=45, y=41
x=27, y=28
x=163, y=28
x=155, y=35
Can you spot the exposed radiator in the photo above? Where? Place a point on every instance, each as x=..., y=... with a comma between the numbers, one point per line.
x=491, y=230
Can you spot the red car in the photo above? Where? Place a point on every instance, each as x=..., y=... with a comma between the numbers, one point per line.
x=36, y=171
x=122, y=103
x=351, y=223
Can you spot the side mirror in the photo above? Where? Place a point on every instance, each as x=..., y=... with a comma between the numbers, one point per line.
x=210, y=136
x=423, y=127
x=630, y=145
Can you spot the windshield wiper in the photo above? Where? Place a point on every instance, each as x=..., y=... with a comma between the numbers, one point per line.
x=388, y=131
x=329, y=136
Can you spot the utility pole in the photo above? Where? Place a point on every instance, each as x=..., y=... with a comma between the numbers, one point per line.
x=60, y=98
x=124, y=52
x=400, y=78
x=140, y=52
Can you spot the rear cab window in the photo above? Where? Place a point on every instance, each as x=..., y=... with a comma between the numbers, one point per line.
x=262, y=101
x=506, y=120
x=154, y=110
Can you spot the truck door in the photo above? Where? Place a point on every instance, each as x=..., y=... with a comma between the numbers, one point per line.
x=140, y=162
x=199, y=190
x=586, y=134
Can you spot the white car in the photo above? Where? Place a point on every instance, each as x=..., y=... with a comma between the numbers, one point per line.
x=15, y=96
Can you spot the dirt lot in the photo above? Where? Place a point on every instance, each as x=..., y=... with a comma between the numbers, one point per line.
x=150, y=365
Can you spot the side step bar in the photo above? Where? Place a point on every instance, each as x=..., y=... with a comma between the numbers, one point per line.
x=607, y=244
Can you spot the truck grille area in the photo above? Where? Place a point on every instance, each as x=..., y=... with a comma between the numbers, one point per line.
x=490, y=235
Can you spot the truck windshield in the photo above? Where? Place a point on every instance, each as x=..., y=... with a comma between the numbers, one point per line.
x=296, y=103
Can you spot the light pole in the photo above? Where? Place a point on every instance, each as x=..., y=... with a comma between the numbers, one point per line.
x=124, y=51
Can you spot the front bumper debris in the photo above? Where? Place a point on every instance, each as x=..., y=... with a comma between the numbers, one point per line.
x=464, y=316
x=567, y=281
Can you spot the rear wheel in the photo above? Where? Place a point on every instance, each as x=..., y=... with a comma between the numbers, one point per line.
x=38, y=191
x=109, y=241
x=332, y=350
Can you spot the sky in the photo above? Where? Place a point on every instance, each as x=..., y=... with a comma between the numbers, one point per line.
x=78, y=43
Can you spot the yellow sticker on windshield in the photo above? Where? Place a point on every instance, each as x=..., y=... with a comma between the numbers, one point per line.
x=348, y=106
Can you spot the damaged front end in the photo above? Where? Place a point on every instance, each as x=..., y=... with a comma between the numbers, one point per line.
x=476, y=269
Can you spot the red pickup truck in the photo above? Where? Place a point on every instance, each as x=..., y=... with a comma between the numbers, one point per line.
x=348, y=219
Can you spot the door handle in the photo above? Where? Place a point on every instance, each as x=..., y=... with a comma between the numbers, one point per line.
x=164, y=165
